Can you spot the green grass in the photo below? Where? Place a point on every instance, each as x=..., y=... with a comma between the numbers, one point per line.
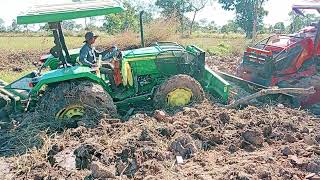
x=43, y=43
x=34, y=43
x=220, y=45
x=205, y=41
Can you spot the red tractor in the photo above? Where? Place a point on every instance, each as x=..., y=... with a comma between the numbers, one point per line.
x=286, y=60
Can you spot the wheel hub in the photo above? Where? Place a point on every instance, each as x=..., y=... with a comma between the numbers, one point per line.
x=70, y=112
x=179, y=97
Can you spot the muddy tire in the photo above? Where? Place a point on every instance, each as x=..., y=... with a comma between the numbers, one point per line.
x=76, y=101
x=5, y=107
x=180, y=81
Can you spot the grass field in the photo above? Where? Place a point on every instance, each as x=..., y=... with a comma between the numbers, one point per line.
x=213, y=44
x=205, y=41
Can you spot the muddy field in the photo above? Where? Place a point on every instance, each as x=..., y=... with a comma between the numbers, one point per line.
x=13, y=60
x=203, y=141
x=226, y=64
x=199, y=142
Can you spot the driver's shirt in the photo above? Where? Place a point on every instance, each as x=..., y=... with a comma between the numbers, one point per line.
x=87, y=55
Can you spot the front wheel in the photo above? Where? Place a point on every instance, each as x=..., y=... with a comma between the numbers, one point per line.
x=76, y=100
x=178, y=91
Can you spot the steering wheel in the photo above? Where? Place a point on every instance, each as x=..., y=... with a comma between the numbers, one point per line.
x=54, y=51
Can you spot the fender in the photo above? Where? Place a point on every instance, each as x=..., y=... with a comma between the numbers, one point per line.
x=66, y=74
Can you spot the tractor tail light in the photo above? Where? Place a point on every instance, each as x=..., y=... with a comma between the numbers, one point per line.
x=30, y=84
x=43, y=58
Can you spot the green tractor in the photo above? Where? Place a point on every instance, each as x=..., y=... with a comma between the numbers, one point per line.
x=164, y=74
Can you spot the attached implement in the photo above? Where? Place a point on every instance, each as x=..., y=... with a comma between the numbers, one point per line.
x=287, y=61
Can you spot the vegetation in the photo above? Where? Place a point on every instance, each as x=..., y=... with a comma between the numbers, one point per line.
x=249, y=14
x=249, y=19
x=298, y=22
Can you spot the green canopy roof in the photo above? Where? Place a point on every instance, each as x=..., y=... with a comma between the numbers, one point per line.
x=66, y=11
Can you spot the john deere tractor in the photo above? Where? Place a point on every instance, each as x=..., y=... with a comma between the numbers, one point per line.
x=165, y=74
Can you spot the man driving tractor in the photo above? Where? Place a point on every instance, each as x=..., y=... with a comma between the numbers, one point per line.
x=88, y=54
x=88, y=57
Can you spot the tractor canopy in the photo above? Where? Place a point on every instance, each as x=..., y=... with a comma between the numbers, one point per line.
x=67, y=11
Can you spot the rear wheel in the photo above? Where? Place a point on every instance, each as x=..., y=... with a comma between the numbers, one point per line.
x=178, y=91
x=5, y=106
x=76, y=101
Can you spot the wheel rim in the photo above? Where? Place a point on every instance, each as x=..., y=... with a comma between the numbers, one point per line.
x=70, y=112
x=179, y=97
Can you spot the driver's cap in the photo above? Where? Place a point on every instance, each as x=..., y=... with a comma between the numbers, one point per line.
x=89, y=36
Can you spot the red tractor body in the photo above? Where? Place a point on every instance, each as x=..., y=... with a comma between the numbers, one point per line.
x=286, y=60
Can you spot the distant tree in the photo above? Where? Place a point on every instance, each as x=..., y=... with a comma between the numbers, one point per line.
x=115, y=23
x=90, y=23
x=44, y=27
x=2, y=26
x=279, y=26
x=149, y=8
x=175, y=9
x=208, y=26
x=249, y=14
x=196, y=5
x=231, y=26
x=212, y=27
x=14, y=26
x=85, y=19
x=297, y=22
x=70, y=25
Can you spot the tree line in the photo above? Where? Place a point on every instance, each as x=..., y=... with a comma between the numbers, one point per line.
x=248, y=20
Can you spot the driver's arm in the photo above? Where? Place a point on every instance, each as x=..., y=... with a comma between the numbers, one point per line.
x=109, y=55
x=83, y=57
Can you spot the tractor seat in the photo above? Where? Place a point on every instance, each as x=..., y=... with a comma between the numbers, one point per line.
x=127, y=78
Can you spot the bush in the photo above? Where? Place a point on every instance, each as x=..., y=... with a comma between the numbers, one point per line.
x=159, y=30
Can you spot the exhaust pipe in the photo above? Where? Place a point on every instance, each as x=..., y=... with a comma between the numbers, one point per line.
x=141, y=29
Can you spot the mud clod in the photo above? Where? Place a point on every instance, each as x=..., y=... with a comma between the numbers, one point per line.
x=289, y=138
x=286, y=151
x=224, y=118
x=84, y=155
x=100, y=171
x=253, y=137
x=183, y=146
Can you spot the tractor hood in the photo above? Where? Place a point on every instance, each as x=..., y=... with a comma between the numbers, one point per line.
x=154, y=50
x=67, y=11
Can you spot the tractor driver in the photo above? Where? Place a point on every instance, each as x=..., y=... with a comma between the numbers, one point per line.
x=88, y=56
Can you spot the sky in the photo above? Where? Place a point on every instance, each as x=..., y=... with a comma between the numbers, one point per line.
x=278, y=10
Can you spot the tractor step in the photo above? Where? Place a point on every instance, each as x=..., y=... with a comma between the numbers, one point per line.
x=3, y=83
x=8, y=100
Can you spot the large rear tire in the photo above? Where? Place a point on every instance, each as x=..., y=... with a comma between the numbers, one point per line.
x=76, y=101
x=178, y=91
x=5, y=107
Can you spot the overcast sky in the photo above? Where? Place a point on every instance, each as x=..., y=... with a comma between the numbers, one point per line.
x=278, y=10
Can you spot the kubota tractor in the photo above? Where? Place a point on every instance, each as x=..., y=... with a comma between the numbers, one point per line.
x=287, y=60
